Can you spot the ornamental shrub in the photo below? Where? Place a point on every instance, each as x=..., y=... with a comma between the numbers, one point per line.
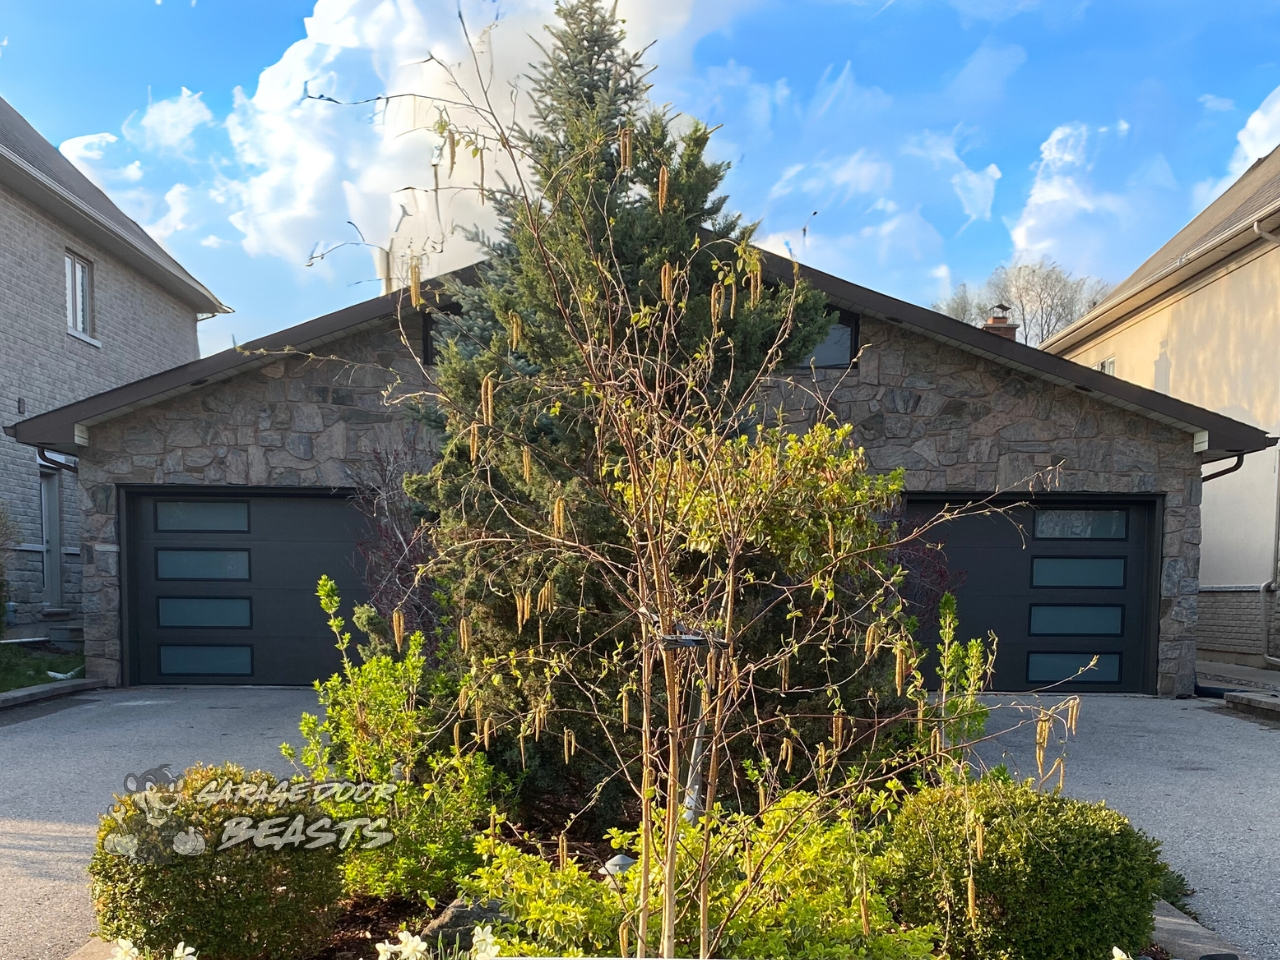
x=1057, y=879
x=795, y=883
x=158, y=877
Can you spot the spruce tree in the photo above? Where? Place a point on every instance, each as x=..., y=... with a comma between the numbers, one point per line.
x=596, y=155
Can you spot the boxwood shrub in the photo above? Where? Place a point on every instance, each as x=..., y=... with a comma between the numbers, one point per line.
x=1059, y=879
x=157, y=877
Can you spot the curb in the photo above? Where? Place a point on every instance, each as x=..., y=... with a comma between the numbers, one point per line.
x=47, y=691
x=93, y=950
x=1177, y=934
x=1259, y=704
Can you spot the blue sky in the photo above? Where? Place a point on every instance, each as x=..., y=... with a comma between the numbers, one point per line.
x=935, y=139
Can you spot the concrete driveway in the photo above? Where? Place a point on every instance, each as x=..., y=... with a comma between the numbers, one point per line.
x=1201, y=779
x=60, y=763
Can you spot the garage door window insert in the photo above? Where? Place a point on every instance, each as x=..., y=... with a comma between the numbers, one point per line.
x=215, y=612
x=202, y=564
x=202, y=516
x=1101, y=572
x=1076, y=619
x=1056, y=667
x=1081, y=524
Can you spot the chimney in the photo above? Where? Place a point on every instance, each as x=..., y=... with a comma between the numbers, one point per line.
x=1000, y=324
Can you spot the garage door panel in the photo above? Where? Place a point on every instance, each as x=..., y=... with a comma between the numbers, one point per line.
x=195, y=618
x=1065, y=589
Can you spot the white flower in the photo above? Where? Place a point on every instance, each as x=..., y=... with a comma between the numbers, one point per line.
x=387, y=950
x=412, y=947
x=1118, y=954
x=183, y=952
x=484, y=946
x=124, y=950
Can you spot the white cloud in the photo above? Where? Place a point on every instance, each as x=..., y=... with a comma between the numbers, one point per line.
x=937, y=148
x=213, y=242
x=977, y=191
x=858, y=173
x=131, y=172
x=178, y=201
x=1214, y=104
x=1065, y=217
x=168, y=124
x=81, y=150
x=983, y=76
x=942, y=274
x=1257, y=138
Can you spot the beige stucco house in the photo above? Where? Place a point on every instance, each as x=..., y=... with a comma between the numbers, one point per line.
x=1200, y=320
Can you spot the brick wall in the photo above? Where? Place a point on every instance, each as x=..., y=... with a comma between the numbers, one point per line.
x=141, y=327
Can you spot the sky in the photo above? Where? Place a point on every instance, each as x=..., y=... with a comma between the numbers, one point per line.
x=907, y=145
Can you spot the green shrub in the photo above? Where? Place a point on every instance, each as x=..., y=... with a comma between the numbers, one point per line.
x=808, y=864
x=1059, y=879
x=435, y=829
x=157, y=877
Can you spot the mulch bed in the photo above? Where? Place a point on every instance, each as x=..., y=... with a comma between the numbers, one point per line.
x=367, y=922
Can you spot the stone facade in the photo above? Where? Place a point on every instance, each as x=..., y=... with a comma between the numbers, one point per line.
x=296, y=422
x=960, y=424
x=957, y=423
x=139, y=329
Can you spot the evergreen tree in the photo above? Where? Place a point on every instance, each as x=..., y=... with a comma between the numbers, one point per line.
x=596, y=156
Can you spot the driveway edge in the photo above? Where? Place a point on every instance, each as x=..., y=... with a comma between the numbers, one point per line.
x=1178, y=934
x=47, y=691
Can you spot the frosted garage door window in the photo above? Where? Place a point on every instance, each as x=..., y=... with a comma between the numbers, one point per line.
x=227, y=516
x=1076, y=620
x=202, y=564
x=1081, y=524
x=206, y=661
x=1056, y=667
x=1077, y=572
x=205, y=612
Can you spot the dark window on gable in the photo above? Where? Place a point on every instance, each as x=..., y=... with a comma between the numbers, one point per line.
x=840, y=348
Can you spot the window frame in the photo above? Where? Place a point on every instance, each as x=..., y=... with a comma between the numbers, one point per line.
x=79, y=297
x=853, y=321
x=1107, y=365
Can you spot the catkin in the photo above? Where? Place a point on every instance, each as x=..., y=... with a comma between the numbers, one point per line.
x=872, y=639
x=973, y=901
x=668, y=281
x=786, y=672
x=558, y=518
x=415, y=282
x=979, y=837
x=624, y=148
x=564, y=851
x=464, y=633
x=662, y=188
x=900, y=669
x=397, y=627
x=546, y=599
x=567, y=734
x=717, y=300
x=453, y=150
x=486, y=399
x=528, y=465
x=864, y=905
x=475, y=441
x=626, y=709
x=515, y=326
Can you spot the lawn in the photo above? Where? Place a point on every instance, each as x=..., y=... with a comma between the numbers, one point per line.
x=24, y=665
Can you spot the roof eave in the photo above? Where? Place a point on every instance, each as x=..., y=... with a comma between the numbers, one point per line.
x=49, y=196
x=1187, y=268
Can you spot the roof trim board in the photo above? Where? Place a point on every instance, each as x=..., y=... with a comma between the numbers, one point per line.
x=1222, y=436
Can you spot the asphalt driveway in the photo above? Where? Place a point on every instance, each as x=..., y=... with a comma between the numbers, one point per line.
x=1201, y=779
x=60, y=763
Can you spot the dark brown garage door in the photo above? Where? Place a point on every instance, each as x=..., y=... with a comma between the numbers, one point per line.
x=222, y=588
x=1060, y=584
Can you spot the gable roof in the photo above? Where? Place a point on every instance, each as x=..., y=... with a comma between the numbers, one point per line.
x=1224, y=228
x=1215, y=436
x=33, y=168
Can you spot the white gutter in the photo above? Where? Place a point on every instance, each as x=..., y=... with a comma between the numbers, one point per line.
x=1082, y=327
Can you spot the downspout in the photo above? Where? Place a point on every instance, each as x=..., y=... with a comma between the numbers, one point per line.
x=1270, y=585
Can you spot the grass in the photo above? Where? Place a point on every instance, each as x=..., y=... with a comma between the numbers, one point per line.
x=22, y=666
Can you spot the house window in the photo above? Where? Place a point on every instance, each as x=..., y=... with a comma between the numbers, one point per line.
x=840, y=349
x=1108, y=366
x=79, y=295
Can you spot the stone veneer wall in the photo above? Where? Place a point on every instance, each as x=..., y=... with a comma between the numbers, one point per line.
x=297, y=422
x=954, y=421
x=959, y=423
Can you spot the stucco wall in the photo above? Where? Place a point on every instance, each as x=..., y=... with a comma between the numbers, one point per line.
x=1214, y=343
x=954, y=421
x=142, y=329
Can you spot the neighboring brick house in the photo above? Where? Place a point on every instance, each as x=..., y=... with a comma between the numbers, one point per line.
x=216, y=493
x=88, y=301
